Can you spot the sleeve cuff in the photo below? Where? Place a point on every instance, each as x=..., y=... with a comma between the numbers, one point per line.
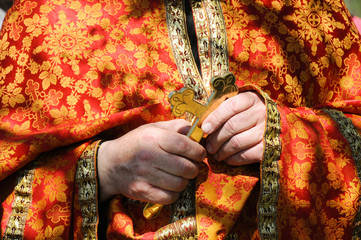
x=87, y=181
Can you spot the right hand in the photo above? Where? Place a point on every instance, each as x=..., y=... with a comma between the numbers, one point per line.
x=151, y=163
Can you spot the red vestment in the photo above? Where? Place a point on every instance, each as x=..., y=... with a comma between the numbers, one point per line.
x=73, y=72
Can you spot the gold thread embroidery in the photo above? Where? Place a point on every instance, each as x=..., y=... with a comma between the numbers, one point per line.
x=267, y=207
x=21, y=204
x=185, y=228
x=349, y=132
x=185, y=205
x=218, y=33
x=212, y=40
x=176, y=22
x=88, y=192
x=202, y=29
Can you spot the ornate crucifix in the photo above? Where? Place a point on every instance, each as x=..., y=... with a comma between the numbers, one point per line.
x=183, y=101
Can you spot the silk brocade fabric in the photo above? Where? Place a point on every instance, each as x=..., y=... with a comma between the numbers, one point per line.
x=73, y=72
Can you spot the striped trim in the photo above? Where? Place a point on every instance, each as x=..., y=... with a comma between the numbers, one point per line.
x=218, y=37
x=181, y=48
x=353, y=138
x=267, y=207
x=21, y=204
x=183, y=229
x=212, y=40
x=202, y=30
x=86, y=179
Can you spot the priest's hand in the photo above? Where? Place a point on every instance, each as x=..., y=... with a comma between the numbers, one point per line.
x=152, y=163
x=236, y=129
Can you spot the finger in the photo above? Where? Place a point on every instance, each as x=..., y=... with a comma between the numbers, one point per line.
x=177, y=125
x=178, y=166
x=161, y=196
x=240, y=142
x=250, y=155
x=143, y=191
x=166, y=181
x=183, y=146
x=239, y=123
x=146, y=183
x=227, y=109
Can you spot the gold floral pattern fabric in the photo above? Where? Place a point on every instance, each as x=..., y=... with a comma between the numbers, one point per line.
x=73, y=70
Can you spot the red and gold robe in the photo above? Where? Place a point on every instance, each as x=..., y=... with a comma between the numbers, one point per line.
x=73, y=72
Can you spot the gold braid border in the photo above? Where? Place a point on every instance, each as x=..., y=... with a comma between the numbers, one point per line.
x=21, y=204
x=267, y=207
x=181, y=48
x=353, y=138
x=203, y=39
x=212, y=40
x=185, y=228
x=86, y=178
x=218, y=35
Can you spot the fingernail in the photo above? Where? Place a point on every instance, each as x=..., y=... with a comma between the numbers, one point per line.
x=206, y=127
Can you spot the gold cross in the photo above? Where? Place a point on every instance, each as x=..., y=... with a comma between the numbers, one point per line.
x=183, y=101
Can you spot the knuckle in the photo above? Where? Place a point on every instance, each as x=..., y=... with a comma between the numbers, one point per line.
x=141, y=170
x=183, y=145
x=254, y=97
x=200, y=154
x=183, y=167
x=188, y=169
x=235, y=143
x=150, y=132
x=136, y=168
x=193, y=172
x=242, y=156
x=181, y=122
x=261, y=110
x=231, y=125
x=180, y=184
x=164, y=197
x=237, y=159
x=137, y=190
x=260, y=135
x=233, y=105
x=142, y=156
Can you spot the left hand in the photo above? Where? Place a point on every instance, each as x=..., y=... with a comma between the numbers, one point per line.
x=236, y=129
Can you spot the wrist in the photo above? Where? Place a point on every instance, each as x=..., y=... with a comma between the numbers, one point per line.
x=105, y=191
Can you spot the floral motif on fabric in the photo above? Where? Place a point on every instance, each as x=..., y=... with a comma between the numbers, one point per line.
x=71, y=70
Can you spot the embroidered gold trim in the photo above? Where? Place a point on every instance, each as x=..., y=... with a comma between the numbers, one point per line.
x=218, y=35
x=267, y=207
x=213, y=53
x=212, y=43
x=202, y=29
x=185, y=205
x=86, y=179
x=185, y=228
x=210, y=28
x=353, y=138
x=181, y=48
x=21, y=204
